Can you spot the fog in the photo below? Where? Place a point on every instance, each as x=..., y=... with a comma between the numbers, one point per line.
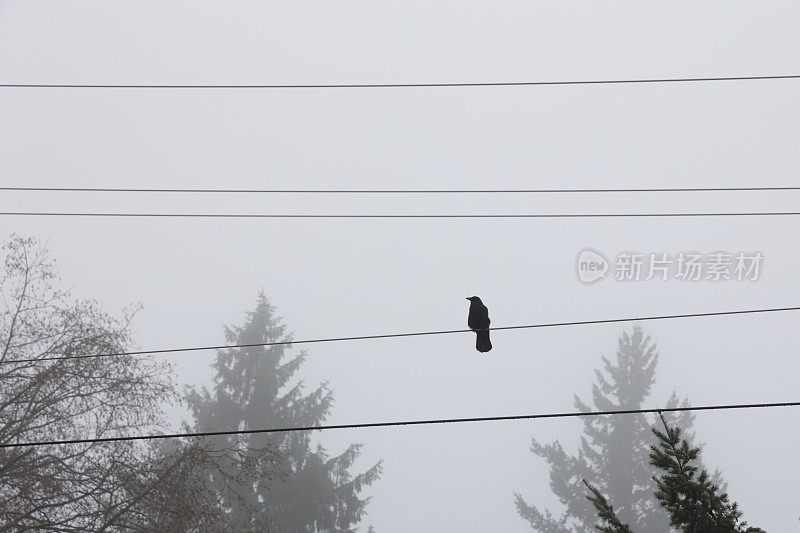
x=343, y=277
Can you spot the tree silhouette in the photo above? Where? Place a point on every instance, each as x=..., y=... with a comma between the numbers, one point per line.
x=300, y=487
x=614, y=450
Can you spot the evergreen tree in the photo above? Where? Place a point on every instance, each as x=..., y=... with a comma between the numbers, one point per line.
x=614, y=450
x=695, y=503
x=299, y=488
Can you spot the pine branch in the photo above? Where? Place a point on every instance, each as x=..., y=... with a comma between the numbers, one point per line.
x=605, y=511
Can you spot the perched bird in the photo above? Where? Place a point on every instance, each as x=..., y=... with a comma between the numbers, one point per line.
x=478, y=321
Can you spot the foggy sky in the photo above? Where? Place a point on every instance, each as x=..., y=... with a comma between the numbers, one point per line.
x=358, y=277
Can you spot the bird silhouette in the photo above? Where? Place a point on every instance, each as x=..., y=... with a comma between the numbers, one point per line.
x=478, y=321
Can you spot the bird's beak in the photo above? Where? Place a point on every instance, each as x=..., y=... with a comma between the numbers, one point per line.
x=466, y=298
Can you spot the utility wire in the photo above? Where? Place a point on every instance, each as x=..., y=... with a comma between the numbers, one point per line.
x=397, y=335
x=394, y=191
x=389, y=85
x=400, y=216
x=404, y=423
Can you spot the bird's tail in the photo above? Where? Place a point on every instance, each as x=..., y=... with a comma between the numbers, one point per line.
x=482, y=342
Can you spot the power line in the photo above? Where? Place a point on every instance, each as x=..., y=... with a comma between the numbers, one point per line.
x=400, y=216
x=391, y=85
x=404, y=423
x=394, y=191
x=413, y=334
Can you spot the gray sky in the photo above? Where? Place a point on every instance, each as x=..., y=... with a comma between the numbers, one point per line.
x=353, y=277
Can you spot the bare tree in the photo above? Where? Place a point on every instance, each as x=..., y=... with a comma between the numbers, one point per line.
x=50, y=391
x=169, y=492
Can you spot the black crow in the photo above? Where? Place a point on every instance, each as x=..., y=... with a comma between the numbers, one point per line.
x=478, y=321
